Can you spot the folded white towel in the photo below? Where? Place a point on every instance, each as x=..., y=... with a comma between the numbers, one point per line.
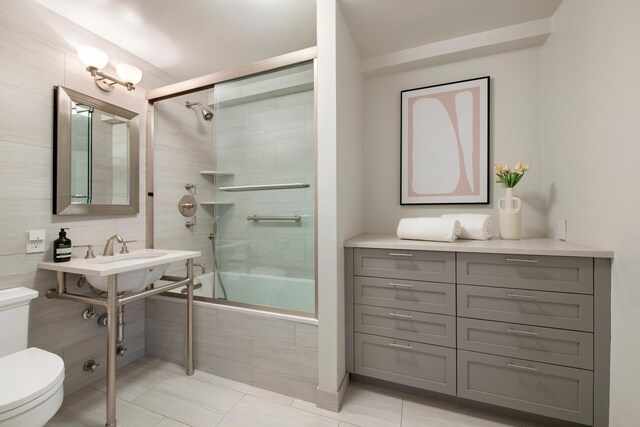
x=437, y=229
x=474, y=226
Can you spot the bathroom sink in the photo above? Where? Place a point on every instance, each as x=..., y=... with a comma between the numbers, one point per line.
x=135, y=270
x=131, y=281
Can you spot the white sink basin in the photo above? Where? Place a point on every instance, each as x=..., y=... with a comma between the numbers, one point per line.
x=131, y=281
x=135, y=270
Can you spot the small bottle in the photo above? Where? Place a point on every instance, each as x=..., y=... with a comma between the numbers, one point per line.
x=62, y=247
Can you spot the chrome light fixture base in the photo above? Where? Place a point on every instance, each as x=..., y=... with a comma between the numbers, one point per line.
x=106, y=82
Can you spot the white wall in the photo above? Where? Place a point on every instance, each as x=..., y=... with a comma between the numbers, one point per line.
x=350, y=166
x=340, y=181
x=590, y=125
x=327, y=199
x=514, y=129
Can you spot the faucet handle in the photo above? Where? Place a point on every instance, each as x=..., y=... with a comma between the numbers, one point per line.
x=89, y=254
x=125, y=249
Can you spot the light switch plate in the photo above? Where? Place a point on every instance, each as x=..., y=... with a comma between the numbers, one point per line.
x=562, y=229
x=35, y=241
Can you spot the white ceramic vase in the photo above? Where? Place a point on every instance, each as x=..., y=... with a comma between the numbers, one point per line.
x=510, y=216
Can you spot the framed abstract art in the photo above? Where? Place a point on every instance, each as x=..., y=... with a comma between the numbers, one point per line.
x=445, y=144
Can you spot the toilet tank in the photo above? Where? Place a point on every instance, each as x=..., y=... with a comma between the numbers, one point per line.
x=14, y=319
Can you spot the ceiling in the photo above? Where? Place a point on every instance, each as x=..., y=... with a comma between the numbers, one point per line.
x=383, y=26
x=190, y=38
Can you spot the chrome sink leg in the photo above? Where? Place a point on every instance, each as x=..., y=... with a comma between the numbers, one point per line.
x=112, y=308
x=190, y=317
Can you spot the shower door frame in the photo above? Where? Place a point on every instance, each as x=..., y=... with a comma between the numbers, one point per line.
x=209, y=81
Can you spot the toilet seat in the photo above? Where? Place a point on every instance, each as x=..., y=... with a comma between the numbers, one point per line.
x=29, y=378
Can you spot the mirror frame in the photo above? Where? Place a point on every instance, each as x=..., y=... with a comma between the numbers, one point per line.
x=62, y=205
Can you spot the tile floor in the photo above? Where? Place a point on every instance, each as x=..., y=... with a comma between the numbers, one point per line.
x=152, y=392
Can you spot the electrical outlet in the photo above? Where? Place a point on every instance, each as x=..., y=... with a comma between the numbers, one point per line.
x=562, y=229
x=35, y=241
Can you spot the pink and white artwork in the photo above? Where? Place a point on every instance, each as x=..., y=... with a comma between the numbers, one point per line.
x=445, y=143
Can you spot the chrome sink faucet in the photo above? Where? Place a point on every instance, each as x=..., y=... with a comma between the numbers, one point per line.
x=108, y=249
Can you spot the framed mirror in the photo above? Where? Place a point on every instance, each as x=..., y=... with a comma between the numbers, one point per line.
x=96, y=170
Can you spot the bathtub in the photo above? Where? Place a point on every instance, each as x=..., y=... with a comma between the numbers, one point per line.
x=259, y=289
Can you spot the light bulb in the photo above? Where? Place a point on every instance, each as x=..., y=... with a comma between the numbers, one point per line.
x=92, y=56
x=129, y=73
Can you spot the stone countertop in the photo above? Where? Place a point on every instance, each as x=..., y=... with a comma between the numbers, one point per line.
x=527, y=246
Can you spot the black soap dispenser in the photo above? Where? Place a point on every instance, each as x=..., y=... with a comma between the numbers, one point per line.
x=62, y=247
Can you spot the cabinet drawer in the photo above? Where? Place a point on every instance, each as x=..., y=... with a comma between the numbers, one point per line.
x=405, y=362
x=407, y=325
x=553, y=309
x=545, y=273
x=406, y=294
x=553, y=391
x=557, y=346
x=412, y=265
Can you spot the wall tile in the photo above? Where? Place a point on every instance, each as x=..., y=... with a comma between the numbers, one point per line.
x=307, y=336
x=268, y=356
x=25, y=117
x=291, y=385
x=274, y=330
x=29, y=64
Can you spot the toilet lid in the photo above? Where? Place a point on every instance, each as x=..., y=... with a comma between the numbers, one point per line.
x=27, y=375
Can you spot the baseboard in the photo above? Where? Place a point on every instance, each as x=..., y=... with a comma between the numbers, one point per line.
x=331, y=399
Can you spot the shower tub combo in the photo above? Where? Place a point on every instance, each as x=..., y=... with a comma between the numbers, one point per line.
x=237, y=148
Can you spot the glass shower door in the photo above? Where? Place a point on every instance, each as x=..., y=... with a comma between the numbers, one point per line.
x=264, y=232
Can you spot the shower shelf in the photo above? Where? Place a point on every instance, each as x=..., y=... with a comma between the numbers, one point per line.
x=213, y=173
x=214, y=203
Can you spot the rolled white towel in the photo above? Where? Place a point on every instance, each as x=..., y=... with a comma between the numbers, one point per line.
x=437, y=229
x=474, y=226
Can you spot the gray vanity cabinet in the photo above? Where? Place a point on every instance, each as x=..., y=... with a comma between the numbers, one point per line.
x=544, y=273
x=554, y=391
x=411, y=265
x=526, y=331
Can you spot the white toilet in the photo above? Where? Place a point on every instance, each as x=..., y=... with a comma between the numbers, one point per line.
x=31, y=379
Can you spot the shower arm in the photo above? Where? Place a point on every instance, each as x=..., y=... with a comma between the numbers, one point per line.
x=206, y=114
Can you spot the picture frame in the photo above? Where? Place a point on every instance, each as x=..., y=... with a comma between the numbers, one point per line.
x=444, y=157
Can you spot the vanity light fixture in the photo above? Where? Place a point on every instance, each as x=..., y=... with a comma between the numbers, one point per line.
x=95, y=59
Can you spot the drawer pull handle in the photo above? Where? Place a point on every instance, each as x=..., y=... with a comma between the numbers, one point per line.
x=519, y=296
x=532, y=261
x=400, y=285
x=408, y=347
x=524, y=368
x=517, y=332
x=402, y=316
x=399, y=254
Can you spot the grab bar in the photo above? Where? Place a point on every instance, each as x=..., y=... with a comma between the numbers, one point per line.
x=264, y=187
x=256, y=218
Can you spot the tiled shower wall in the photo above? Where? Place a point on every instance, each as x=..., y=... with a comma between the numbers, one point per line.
x=183, y=146
x=37, y=49
x=267, y=141
x=274, y=354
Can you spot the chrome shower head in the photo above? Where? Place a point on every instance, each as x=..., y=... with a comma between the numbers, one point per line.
x=208, y=115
